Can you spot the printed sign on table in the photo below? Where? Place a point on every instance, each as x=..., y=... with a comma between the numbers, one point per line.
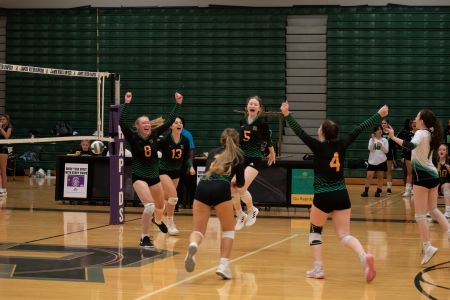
x=75, y=180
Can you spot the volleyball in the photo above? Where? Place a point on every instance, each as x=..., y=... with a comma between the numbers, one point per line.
x=97, y=147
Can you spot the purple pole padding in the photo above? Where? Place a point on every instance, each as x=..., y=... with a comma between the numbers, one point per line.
x=116, y=168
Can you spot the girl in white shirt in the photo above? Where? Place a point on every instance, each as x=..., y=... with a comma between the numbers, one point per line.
x=378, y=147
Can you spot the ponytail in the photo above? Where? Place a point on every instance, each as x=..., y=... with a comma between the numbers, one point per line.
x=230, y=157
x=434, y=127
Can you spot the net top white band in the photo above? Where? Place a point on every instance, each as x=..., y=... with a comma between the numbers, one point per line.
x=56, y=139
x=51, y=71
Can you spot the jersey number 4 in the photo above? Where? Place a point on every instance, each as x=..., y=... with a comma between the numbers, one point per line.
x=334, y=163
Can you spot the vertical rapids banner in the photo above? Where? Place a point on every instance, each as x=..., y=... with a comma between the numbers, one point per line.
x=116, y=168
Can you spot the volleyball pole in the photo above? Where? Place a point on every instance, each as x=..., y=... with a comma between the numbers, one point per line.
x=116, y=161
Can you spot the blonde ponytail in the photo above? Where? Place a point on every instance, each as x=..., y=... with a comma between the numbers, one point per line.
x=231, y=156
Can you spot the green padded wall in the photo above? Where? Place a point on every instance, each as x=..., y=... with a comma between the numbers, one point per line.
x=216, y=57
x=59, y=39
x=395, y=55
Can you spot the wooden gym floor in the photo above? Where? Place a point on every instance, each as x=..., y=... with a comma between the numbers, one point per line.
x=50, y=250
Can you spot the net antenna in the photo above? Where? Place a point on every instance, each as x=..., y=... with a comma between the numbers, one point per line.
x=101, y=76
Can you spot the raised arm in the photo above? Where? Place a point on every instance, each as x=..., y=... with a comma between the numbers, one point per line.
x=171, y=118
x=126, y=130
x=406, y=144
x=311, y=142
x=374, y=119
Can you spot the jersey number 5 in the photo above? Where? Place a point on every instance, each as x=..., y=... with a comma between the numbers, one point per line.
x=246, y=137
x=334, y=163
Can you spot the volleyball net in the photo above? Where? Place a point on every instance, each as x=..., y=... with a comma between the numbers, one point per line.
x=100, y=76
x=115, y=139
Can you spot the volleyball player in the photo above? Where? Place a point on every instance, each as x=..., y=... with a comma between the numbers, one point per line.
x=443, y=168
x=391, y=156
x=426, y=140
x=378, y=148
x=214, y=190
x=254, y=132
x=145, y=165
x=330, y=193
x=5, y=133
x=176, y=154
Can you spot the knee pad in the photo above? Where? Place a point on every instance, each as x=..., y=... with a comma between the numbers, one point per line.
x=420, y=216
x=172, y=200
x=435, y=212
x=149, y=208
x=228, y=234
x=346, y=239
x=315, y=235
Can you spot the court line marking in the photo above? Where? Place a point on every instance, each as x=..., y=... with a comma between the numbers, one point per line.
x=190, y=278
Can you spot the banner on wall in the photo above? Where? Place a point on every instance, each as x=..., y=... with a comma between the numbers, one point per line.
x=75, y=180
x=302, y=186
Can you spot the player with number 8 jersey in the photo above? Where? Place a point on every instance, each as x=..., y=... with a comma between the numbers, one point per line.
x=145, y=165
x=330, y=193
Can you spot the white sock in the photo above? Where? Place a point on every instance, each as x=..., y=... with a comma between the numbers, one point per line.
x=425, y=245
x=389, y=185
x=193, y=244
x=144, y=235
x=408, y=187
x=362, y=258
x=224, y=261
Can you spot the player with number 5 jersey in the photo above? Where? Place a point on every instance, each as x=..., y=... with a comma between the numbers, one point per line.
x=145, y=165
x=253, y=134
x=330, y=193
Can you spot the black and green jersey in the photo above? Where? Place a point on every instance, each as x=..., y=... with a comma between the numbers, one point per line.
x=175, y=154
x=237, y=169
x=145, y=162
x=329, y=156
x=252, y=136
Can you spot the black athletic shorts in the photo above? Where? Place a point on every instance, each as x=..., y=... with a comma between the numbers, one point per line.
x=213, y=192
x=4, y=149
x=331, y=201
x=149, y=181
x=422, y=178
x=254, y=162
x=390, y=155
x=171, y=174
x=379, y=167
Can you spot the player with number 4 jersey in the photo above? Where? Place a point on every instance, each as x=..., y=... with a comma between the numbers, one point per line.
x=330, y=193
